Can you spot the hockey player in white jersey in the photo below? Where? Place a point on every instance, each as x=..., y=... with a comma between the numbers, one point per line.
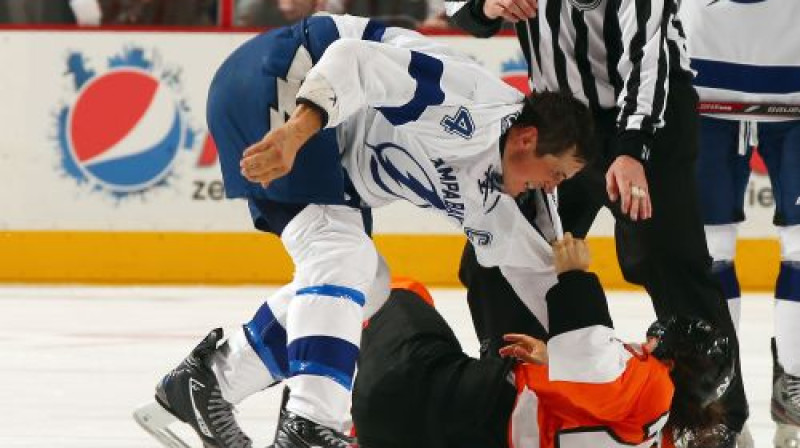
x=742, y=64
x=383, y=114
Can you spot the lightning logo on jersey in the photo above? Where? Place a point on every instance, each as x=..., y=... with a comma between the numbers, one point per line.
x=407, y=179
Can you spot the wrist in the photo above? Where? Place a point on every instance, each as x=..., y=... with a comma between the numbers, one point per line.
x=306, y=120
x=309, y=116
x=484, y=11
x=635, y=144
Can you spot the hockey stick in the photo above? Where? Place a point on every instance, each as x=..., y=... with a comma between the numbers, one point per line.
x=762, y=109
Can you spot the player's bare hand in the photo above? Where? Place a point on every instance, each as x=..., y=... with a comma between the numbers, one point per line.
x=524, y=348
x=511, y=10
x=273, y=157
x=626, y=181
x=571, y=254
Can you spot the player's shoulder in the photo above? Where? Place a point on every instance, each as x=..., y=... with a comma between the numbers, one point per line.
x=648, y=374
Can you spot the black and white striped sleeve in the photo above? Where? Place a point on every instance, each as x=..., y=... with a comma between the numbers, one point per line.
x=645, y=60
x=469, y=16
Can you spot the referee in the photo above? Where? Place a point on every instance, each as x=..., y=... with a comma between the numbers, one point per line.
x=627, y=60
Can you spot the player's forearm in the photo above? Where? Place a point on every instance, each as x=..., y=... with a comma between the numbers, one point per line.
x=470, y=17
x=576, y=302
x=306, y=120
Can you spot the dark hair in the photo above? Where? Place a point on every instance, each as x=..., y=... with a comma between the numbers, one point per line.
x=688, y=418
x=703, y=368
x=562, y=122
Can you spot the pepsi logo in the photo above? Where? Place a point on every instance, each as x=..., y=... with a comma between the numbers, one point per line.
x=125, y=127
x=515, y=73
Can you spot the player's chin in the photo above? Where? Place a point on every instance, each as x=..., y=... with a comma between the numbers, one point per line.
x=519, y=189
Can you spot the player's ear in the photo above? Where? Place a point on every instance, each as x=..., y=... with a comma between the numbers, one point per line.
x=529, y=136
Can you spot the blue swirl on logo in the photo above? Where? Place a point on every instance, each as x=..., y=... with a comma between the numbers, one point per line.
x=407, y=178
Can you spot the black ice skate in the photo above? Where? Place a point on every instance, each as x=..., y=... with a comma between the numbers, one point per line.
x=295, y=431
x=190, y=393
x=785, y=404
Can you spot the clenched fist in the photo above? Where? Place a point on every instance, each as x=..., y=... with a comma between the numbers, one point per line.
x=571, y=254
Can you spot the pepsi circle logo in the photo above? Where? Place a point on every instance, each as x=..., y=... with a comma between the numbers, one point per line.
x=125, y=127
x=125, y=130
x=515, y=73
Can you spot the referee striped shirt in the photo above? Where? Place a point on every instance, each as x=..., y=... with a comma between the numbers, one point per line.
x=606, y=52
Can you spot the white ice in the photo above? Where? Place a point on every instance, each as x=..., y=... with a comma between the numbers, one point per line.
x=75, y=361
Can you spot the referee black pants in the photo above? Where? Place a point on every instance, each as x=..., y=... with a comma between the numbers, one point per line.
x=666, y=254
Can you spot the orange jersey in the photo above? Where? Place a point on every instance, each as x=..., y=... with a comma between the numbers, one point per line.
x=595, y=392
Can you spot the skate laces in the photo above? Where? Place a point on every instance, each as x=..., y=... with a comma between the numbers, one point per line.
x=332, y=437
x=224, y=423
x=793, y=389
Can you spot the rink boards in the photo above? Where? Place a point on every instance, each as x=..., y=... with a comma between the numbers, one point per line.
x=110, y=177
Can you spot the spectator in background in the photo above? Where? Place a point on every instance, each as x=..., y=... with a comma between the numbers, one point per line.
x=158, y=12
x=293, y=10
x=81, y=12
x=87, y=12
x=269, y=13
x=110, y=12
x=437, y=15
x=404, y=13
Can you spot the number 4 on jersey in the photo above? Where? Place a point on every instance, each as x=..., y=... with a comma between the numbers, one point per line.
x=461, y=124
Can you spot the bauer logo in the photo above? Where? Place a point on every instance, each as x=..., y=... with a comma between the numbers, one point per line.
x=736, y=1
x=126, y=124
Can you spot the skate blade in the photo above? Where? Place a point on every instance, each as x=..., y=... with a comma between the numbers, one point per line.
x=787, y=436
x=154, y=419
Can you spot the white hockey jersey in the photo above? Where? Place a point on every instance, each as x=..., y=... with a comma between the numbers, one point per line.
x=420, y=122
x=744, y=51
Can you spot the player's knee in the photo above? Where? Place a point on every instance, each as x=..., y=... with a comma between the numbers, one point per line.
x=378, y=291
x=329, y=246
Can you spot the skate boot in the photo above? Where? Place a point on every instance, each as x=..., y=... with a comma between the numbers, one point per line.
x=190, y=393
x=785, y=405
x=295, y=431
